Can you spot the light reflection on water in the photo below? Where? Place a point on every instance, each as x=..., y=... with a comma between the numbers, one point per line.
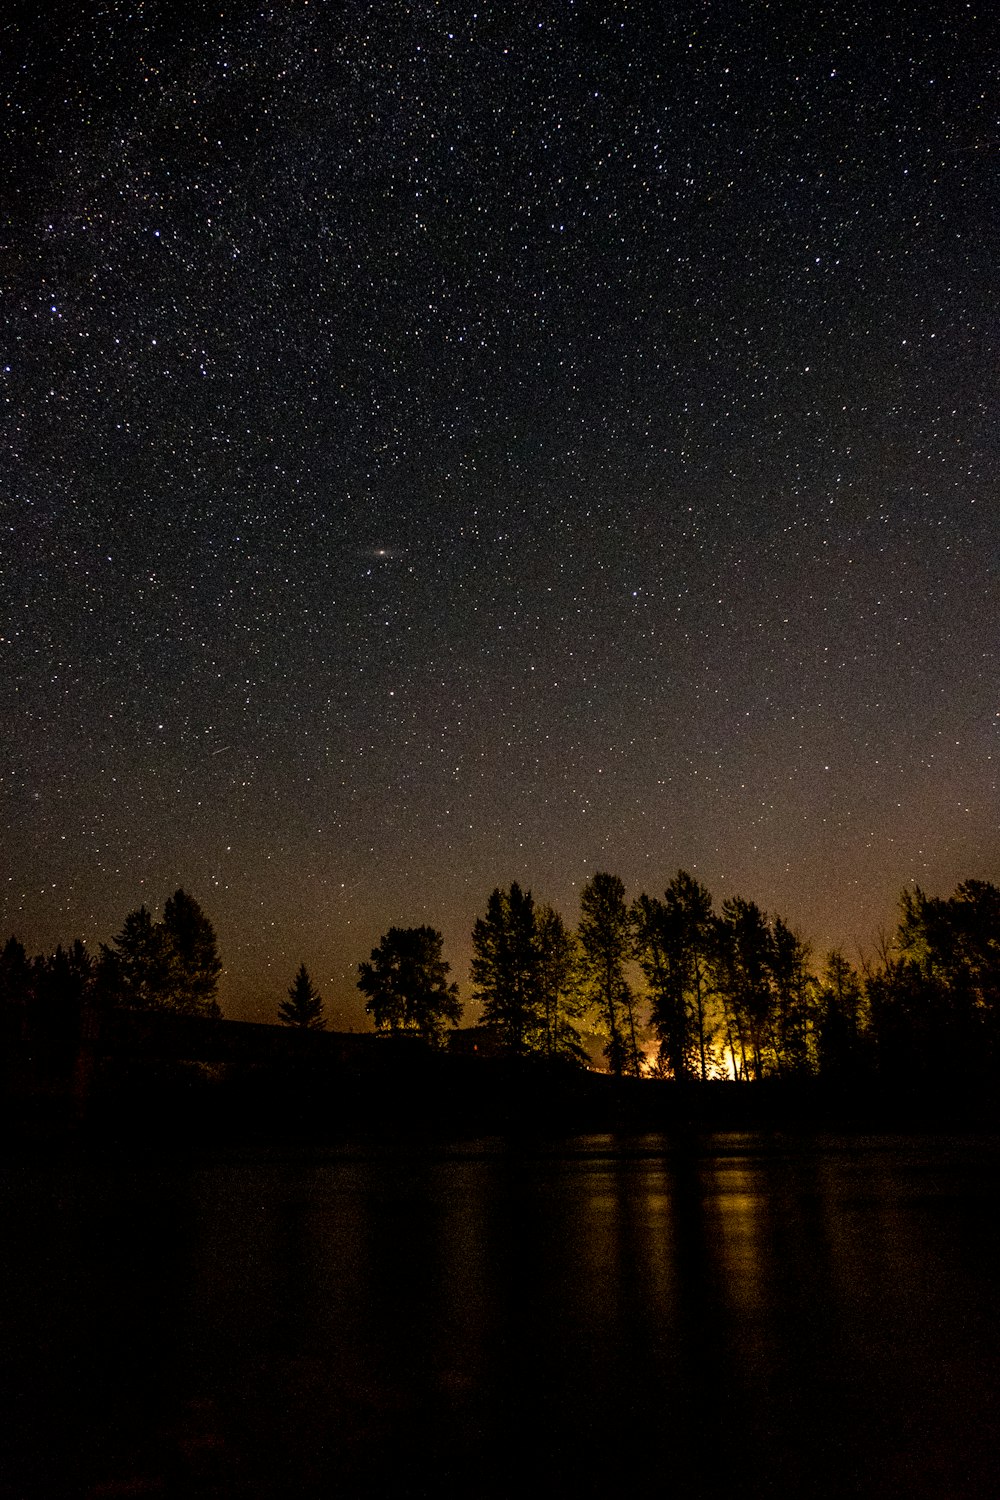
x=735, y=1203
x=724, y=1315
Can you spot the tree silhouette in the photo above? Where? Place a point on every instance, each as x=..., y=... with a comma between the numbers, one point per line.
x=652, y=952
x=196, y=965
x=743, y=981
x=840, y=1040
x=505, y=969
x=674, y=943
x=168, y=965
x=792, y=995
x=15, y=975
x=606, y=946
x=304, y=1006
x=406, y=982
x=135, y=972
x=561, y=1001
x=525, y=973
x=61, y=983
x=935, y=998
x=956, y=941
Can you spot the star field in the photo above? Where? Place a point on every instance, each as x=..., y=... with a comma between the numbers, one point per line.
x=445, y=447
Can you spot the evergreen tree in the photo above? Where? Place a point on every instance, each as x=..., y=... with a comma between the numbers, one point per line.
x=61, y=986
x=16, y=990
x=15, y=971
x=42, y=1005
x=505, y=969
x=406, y=982
x=136, y=973
x=168, y=965
x=558, y=986
x=304, y=1006
x=15, y=975
x=605, y=938
x=196, y=965
x=840, y=1039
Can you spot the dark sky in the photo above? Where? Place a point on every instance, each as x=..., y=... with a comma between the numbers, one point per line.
x=443, y=448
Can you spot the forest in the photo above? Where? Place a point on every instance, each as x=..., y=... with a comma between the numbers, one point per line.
x=665, y=987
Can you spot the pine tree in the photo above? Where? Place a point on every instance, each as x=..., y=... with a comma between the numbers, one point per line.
x=196, y=963
x=16, y=994
x=505, y=970
x=136, y=972
x=168, y=965
x=304, y=1006
x=606, y=946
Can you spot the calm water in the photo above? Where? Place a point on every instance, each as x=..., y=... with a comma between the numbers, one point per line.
x=735, y=1315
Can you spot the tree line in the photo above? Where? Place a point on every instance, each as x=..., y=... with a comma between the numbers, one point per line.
x=49, y=1002
x=665, y=986
x=668, y=986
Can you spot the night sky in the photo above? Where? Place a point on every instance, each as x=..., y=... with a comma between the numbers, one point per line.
x=443, y=448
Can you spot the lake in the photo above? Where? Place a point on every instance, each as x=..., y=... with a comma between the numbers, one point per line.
x=717, y=1315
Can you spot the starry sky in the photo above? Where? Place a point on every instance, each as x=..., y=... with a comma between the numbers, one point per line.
x=443, y=447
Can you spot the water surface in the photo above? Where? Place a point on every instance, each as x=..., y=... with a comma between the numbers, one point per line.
x=732, y=1315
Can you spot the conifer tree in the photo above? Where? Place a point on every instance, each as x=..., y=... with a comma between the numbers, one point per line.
x=304, y=1006
x=505, y=969
x=136, y=972
x=196, y=965
x=15, y=975
x=168, y=965
x=606, y=947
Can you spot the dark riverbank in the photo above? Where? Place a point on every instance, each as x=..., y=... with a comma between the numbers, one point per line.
x=171, y=1079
